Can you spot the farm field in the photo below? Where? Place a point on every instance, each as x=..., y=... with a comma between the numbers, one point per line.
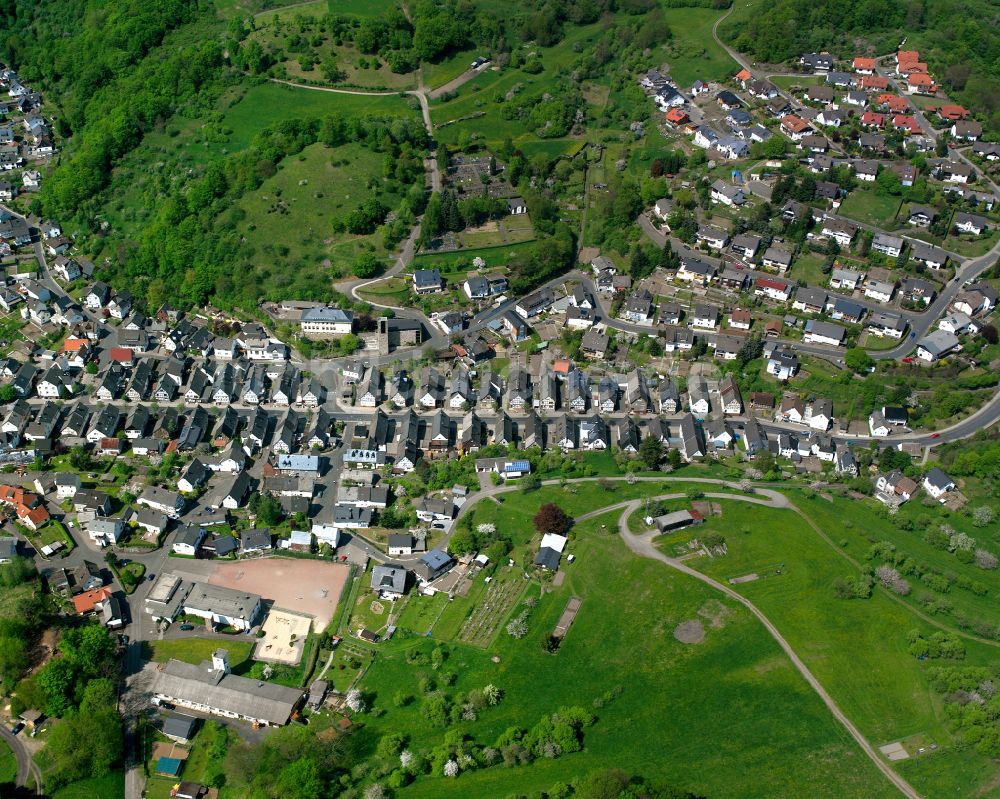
x=759, y=717
x=856, y=648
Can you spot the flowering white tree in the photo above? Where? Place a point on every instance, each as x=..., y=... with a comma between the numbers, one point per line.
x=983, y=515
x=887, y=575
x=406, y=758
x=892, y=580
x=487, y=528
x=469, y=713
x=451, y=768
x=492, y=694
x=355, y=701
x=961, y=541
x=985, y=559
x=517, y=628
x=376, y=791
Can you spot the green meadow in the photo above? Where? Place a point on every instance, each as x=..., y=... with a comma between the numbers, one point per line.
x=701, y=715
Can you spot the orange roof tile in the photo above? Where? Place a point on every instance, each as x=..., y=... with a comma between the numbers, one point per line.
x=88, y=600
x=743, y=74
x=73, y=344
x=907, y=56
x=864, y=63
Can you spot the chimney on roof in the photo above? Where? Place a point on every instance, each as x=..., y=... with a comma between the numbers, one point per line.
x=220, y=661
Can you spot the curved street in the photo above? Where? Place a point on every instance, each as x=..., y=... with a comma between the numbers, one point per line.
x=25, y=765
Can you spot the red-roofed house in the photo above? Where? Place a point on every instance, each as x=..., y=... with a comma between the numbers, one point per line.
x=562, y=367
x=917, y=66
x=743, y=76
x=953, y=113
x=894, y=102
x=89, y=601
x=122, y=355
x=870, y=119
x=794, y=127
x=773, y=288
x=920, y=83
x=906, y=122
x=874, y=82
x=677, y=116
x=906, y=57
x=33, y=518
x=26, y=505
x=864, y=66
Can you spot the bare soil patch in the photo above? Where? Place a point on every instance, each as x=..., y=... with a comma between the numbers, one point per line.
x=690, y=632
x=311, y=587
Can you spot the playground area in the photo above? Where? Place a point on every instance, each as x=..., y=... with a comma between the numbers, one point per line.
x=284, y=638
x=308, y=587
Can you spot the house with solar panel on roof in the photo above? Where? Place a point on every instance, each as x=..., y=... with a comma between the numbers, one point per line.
x=505, y=467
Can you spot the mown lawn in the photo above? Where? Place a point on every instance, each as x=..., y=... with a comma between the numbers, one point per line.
x=856, y=648
x=702, y=716
x=196, y=650
x=870, y=207
x=110, y=787
x=8, y=765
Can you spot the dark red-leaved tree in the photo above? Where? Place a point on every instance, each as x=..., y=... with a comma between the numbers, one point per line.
x=552, y=519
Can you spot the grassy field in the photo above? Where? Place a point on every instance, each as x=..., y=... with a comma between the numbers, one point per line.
x=808, y=267
x=973, y=245
x=196, y=650
x=787, y=81
x=307, y=193
x=692, y=53
x=110, y=787
x=11, y=598
x=8, y=765
x=475, y=98
x=758, y=716
x=856, y=648
x=905, y=531
x=871, y=208
x=453, y=261
x=360, y=8
x=272, y=27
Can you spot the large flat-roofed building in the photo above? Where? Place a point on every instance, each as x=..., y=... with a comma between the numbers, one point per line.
x=171, y=595
x=211, y=688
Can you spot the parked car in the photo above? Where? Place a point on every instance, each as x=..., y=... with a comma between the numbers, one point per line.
x=17, y=728
x=187, y=627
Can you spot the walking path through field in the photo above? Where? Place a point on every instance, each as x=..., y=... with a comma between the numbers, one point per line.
x=642, y=545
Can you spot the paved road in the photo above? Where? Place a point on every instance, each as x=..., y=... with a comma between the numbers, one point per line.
x=643, y=546
x=25, y=765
